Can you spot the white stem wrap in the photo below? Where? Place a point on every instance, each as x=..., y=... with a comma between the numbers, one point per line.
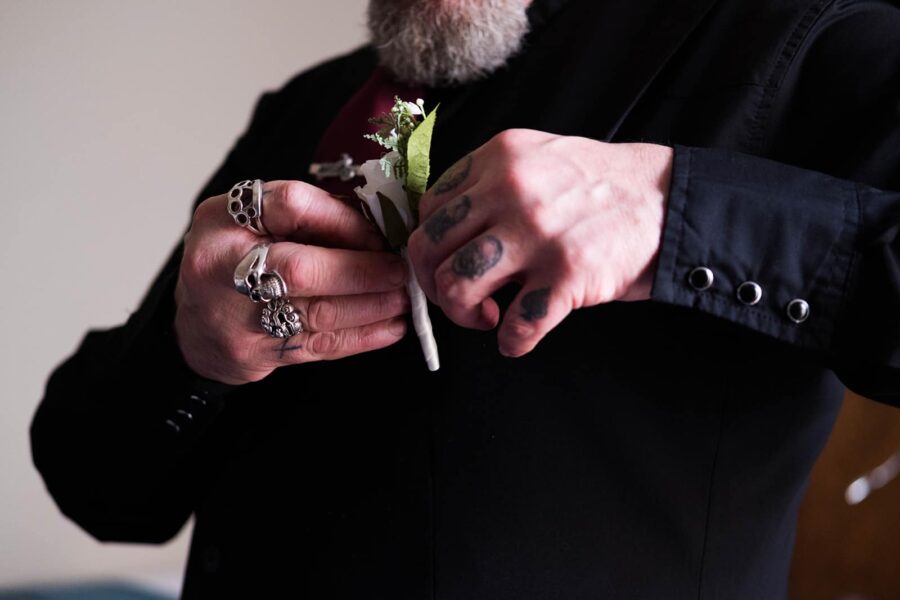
x=421, y=320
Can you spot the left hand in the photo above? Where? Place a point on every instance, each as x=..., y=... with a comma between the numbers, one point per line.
x=575, y=221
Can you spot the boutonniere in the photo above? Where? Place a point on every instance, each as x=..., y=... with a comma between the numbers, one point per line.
x=390, y=197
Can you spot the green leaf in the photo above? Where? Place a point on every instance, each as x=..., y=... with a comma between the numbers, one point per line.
x=417, y=151
x=394, y=228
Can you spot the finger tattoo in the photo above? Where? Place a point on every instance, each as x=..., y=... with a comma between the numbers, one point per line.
x=445, y=218
x=454, y=176
x=475, y=258
x=534, y=304
x=284, y=348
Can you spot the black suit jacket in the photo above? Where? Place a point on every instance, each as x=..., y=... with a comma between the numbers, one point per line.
x=644, y=450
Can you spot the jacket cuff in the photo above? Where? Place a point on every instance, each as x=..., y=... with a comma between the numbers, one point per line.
x=757, y=242
x=193, y=401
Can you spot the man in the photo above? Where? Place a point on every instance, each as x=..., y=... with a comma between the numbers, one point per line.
x=713, y=184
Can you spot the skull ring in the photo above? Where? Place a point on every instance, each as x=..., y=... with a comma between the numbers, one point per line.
x=252, y=279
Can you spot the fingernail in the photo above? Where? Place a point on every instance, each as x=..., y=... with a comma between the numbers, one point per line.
x=397, y=327
x=397, y=276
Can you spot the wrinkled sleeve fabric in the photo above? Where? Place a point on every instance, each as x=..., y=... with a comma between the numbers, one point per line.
x=117, y=436
x=818, y=219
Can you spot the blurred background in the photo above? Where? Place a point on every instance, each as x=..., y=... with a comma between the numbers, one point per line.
x=112, y=115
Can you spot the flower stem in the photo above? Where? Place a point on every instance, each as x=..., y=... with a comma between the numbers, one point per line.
x=421, y=320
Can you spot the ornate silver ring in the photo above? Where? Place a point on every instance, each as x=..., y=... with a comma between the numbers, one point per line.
x=280, y=319
x=245, y=205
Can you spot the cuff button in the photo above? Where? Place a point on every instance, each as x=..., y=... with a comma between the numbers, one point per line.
x=798, y=310
x=749, y=293
x=700, y=278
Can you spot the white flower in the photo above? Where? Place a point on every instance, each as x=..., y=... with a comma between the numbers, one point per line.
x=377, y=181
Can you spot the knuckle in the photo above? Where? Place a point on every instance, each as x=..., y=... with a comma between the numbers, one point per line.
x=511, y=182
x=507, y=140
x=384, y=304
x=295, y=200
x=535, y=217
x=414, y=242
x=323, y=343
x=576, y=257
x=395, y=303
x=322, y=314
x=448, y=286
x=305, y=272
x=418, y=253
x=425, y=207
x=205, y=209
x=234, y=351
x=417, y=248
x=361, y=337
x=360, y=277
x=194, y=266
x=344, y=218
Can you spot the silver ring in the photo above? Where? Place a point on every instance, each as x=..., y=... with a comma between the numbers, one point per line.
x=252, y=279
x=280, y=319
x=245, y=205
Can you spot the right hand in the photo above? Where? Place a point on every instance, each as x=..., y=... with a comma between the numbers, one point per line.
x=347, y=288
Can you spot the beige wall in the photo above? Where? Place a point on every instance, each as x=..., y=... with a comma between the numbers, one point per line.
x=112, y=114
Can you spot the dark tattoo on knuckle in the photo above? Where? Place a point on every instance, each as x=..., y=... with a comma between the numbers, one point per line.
x=477, y=257
x=453, y=177
x=445, y=218
x=534, y=304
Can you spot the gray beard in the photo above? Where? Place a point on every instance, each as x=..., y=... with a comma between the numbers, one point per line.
x=439, y=42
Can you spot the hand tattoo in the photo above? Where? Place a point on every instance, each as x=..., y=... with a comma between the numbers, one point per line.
x=534, y=304
x=285, y=348
x=454, y=176
x=475, y=258
x=446, y=217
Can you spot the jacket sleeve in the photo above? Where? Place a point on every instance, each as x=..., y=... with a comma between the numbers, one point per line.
x=127, y=438
x=816, y=224
x=118, y=436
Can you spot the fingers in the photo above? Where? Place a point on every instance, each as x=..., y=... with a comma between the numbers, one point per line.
x=536, y=310
x=464, y=282
x=329, y=313
x=315, y=271
x=300, y=212
x=454, y=181
x=332, y=327
x=296, y=211
x=331, y=345
x=446, y=230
